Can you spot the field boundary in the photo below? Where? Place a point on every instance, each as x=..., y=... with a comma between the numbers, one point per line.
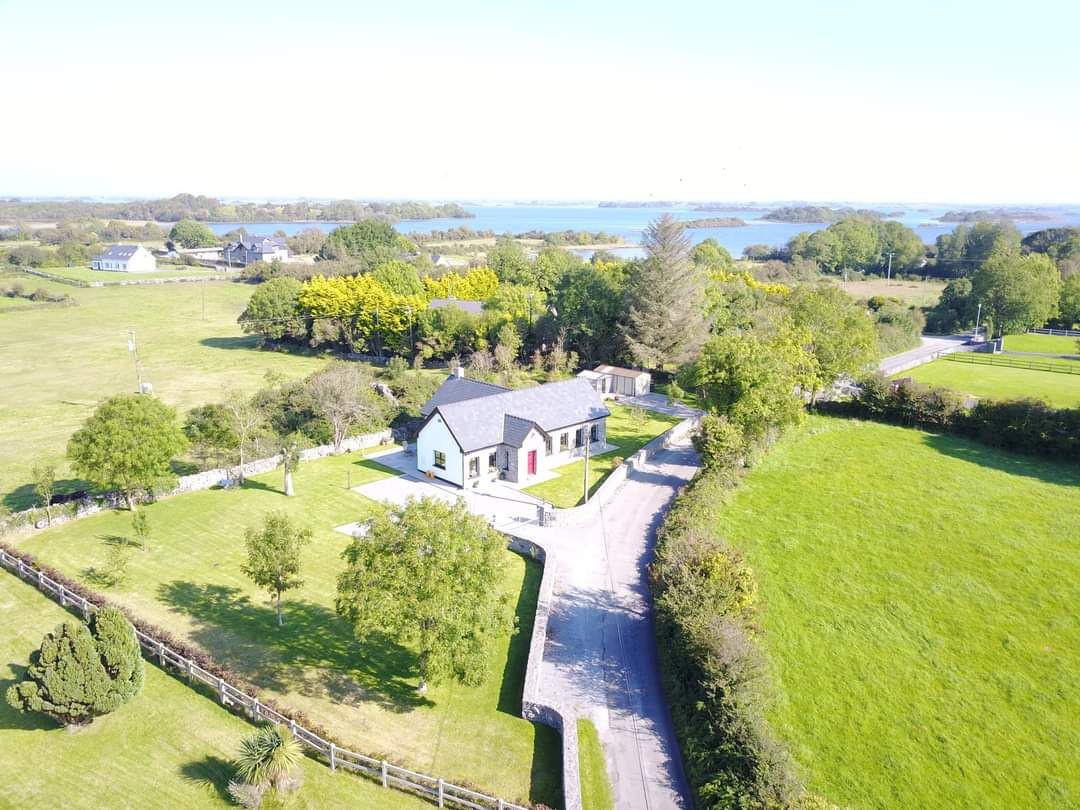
x=1014, y=361
x=1058, y=332
x=432, y=788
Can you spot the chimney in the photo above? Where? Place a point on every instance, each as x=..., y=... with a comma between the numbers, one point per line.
x=459, y=371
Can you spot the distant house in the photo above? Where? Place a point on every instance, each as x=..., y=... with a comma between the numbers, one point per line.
x=255, y=249
x=475, y=431
x=472, y=307
x=125, y=259
x=629, y=382
x=441, y=260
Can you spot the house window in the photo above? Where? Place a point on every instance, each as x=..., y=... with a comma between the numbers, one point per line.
x=493, y=461
x=594, y=432
x=474, y=467
x=547, y=445
x=564, y=441
x=579, y=437
x=440, y=459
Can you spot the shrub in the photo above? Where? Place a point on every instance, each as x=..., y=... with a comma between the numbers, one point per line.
x=719, y=442
x=81, y=672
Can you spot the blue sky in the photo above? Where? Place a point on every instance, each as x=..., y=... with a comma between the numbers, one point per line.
x=947, y=101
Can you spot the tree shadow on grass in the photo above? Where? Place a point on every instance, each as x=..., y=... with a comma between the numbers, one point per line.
x=315, y=653
x=11, y=718
x=239, y=342
x=210, y=771
x=251, y=483
x=24, y=497
x=1049, y=471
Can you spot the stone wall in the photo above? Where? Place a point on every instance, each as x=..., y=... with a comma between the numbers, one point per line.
x=532, y=707
x=207, y=479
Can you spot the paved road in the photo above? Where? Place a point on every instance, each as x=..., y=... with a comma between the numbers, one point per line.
x=600, y=655
x=930, y=347
x=601, y=651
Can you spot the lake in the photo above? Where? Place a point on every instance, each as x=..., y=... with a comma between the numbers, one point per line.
x=629, y=223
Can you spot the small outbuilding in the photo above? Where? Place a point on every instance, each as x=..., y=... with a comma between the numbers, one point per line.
x=618, y=381
x=125, y=259
x=256, y=249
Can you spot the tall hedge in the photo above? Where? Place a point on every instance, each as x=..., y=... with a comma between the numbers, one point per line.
x=715, y=677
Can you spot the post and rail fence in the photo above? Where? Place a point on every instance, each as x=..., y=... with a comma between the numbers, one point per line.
x=1015, y=361
x=437, y=790
x=1059, y=332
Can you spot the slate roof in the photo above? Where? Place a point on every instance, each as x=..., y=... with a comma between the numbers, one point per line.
x=118, y=253
x=472, y=307
x=457, y=389
x=619, y=371
x=261, y=244
x=506, y=417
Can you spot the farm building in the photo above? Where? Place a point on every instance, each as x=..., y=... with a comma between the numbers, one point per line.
x=475, y=431
x=125, y=259
x=256, y=249
x=629, y=382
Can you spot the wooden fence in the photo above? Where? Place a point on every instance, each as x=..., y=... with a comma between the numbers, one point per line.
x=1061, y=332
x=439, y=791
x=1059, y=366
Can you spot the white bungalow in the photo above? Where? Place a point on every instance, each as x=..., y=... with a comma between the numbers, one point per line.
x=125, y=259
x=475, y=431
x=629, y=382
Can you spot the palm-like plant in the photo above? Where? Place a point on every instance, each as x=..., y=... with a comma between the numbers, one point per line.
x=269, y=756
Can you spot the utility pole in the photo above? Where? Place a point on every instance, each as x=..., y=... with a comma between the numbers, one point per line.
x=888, y=277
x=134, y=349
x=587, y=437
x=978, y=320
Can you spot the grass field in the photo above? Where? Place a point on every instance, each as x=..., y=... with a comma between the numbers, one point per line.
x=1046, y=344
x=595, y=785
x=60, y=362
x=189, y=581
x=1001, y=382
x=917, y=293
x=920, y=598
x=163, y=271
x=624, y=431
x=169, y=747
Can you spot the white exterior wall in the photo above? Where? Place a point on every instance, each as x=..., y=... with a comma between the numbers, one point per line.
x=142, y=262
x=534, y=441
x=435, y=435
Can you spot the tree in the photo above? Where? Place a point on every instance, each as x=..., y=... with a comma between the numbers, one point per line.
x=590, y=304
x=269, y=757
x=140, y=527
x=842, y=336
x=81, y=672
x=372, y=241
x=507, y=258
x=246, y=420
x=273, y=556
x=427, y=573
x=752, y=381
x=209, y=429
x=665, y=321
x=127, y=445
x=290, y=460
x=1069, y=305
x=191, y=234
x=44, y=483
x=343, y=395
x=1017, y=293
x=719, y=441
x=273, y=311
x=398, y=277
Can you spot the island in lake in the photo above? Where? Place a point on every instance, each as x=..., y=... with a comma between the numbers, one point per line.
x=714, y=222
x=819, y=214
x=987, y=215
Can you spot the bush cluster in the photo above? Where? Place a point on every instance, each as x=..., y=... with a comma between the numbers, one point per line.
x=715, y=677
x=1027, y=426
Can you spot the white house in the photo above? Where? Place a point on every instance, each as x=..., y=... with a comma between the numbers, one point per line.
x=475, y=431
x=630, y=382
x=125, y=259
x=256, y=249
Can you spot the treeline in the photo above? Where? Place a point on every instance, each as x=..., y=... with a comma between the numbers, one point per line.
x=990, y=215
x=819, y=213
x=211, y=209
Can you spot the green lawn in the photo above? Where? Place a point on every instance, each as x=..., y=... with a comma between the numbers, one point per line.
x=625, y=431
x=1001, y=382
x=920, y=598
x=190, y=582
x=595, y=785
x=1046, y=344
x=163, y=271
x=59, y=362
x=169, y=747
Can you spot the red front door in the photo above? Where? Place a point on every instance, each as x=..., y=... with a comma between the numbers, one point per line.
x=532, y=462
